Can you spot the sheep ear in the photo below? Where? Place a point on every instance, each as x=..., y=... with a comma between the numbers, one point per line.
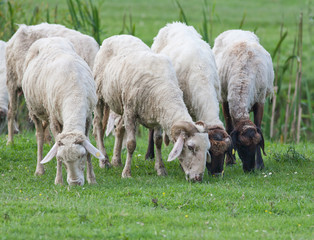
x=92, y=150
x=110, y=125
x=177, y=148
x=50, y=155
x=208, y=157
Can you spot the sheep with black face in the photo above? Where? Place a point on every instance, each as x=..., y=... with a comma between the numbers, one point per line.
x=246, y=74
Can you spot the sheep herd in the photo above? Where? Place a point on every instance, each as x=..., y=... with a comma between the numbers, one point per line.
x=173, y=88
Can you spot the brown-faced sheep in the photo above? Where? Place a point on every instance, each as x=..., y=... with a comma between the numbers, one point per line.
x=246, y=73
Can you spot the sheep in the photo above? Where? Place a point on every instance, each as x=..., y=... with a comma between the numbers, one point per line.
x=4, y=95
x=16, y=51
x=197, y=75
x=59, y=89
x=141, y=86
x=246, y=73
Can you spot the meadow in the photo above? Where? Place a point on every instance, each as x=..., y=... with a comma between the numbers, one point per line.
x=275, y=203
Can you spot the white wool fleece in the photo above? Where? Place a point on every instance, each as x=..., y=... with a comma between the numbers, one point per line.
x=4, y=96
x=130, y=76
x=58, y=84
x=25, y=36
x=195, y=67
x=245, y=70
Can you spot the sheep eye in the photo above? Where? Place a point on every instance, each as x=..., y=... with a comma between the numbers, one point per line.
x=191, y=148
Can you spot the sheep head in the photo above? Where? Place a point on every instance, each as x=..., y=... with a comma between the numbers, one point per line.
x=221, y=144
x=191, y=146
x=72, y=149
x=246, y=138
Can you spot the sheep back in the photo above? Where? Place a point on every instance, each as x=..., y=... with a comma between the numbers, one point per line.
x=129, y=75
x=195, y=67
x=24, y=37
x=245, y=70
x=58, y=83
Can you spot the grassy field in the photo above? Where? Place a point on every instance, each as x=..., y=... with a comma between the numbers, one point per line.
x=276, y=203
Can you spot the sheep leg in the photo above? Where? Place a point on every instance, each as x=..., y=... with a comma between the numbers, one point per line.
x=258, y=110
x=12, y=112
x=225, y=109
x=47, y=136
x=150, y=149
x=56, y=128
x=100, y=121
x=131, y=142
x=119, y=134
x=40, y=142
x=90, y=175
x=159, y=165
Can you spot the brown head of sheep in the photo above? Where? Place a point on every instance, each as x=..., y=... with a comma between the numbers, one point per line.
x=221, y=145
x=192, y=149
x=247, y=138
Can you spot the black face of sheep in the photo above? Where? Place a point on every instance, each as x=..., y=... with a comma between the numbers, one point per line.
x=220, y=145
x=247, y=140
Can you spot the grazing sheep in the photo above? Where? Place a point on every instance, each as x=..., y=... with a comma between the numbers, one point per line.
x=246, y=73
x=59, y=88
x=141, y=86
x=17, y=48
x=197, y=75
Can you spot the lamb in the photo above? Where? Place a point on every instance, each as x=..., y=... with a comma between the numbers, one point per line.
x=141, y=86
x=17, y=48
x=197, y=75
x=59, y=89
x=246, y=73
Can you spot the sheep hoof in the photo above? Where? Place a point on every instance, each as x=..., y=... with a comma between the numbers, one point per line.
x=126, y=174
x=116, y=162
x=39, y=171
x=161, y=172
x=104, y=163
x=58, y=181
x=91, y=181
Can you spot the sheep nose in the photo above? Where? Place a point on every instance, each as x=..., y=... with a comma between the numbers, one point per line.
x=198, y=178
x=76, y=182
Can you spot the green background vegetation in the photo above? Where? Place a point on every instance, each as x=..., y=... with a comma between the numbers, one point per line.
x=276, y=203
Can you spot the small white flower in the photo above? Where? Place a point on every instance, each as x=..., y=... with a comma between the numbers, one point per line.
x=270, y=173
x=295, y=172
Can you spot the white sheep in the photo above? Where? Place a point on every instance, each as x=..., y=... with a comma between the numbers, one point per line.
x=17, y=48
x=59, y=88
x=197, y=75
x=246, y=73
x=141, y=86
x=4, y=96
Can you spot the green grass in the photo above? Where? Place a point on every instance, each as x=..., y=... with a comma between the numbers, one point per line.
x=276, y=203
